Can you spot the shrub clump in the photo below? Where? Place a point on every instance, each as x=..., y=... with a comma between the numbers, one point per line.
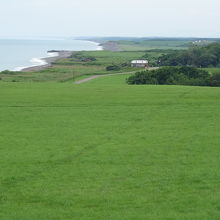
x=175, y=76
x=82, y=58
x=113, y=68
x=197, y=56
x=117, y=67
x=7, y=72
x=214, y=80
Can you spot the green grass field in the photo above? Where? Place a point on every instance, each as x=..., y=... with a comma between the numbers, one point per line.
x=107, y=150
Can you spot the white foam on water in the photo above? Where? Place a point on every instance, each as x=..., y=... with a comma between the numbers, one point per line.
x=52, y=54
x=98, y=45
x=34, y=62
x=37, y=61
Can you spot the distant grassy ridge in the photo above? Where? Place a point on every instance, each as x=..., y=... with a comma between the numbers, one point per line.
x=147, y=43
x=137, y=44
x=153, y=44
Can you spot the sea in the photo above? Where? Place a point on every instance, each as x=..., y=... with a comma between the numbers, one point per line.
x=17, y=54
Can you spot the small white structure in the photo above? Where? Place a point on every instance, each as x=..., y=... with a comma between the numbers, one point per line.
x=139, y=63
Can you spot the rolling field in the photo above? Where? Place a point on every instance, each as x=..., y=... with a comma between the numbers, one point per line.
x=107, y=150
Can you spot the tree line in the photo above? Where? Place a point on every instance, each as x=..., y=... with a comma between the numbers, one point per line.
x=197, y=56
x=175, y=76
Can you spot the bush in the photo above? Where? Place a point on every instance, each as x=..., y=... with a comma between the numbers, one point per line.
x=144, y=77
x=175, y=76
x=117, y=67
x=87, y=59
x=113, y=68
x=7, y=72
x=82, y=58
x=214, y=80
x=125, y=65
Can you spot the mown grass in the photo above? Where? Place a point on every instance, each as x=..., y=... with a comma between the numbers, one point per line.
x=107, y=150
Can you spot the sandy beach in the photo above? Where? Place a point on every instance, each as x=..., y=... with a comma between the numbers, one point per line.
x=107, y=45
x=49, y=60
x=110, y=45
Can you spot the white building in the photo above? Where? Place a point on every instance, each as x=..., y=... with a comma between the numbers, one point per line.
x=139, y=63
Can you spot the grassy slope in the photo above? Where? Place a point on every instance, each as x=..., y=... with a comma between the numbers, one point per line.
x=106, y=150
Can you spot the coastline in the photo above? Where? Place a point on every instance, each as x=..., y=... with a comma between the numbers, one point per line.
x=48, y=60
x=98, y=44
x=110, y=45
x=104, y=44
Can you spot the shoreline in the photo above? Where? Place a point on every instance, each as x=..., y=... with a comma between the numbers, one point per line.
x=48, y=61
x=106, y=45
x=110, y=45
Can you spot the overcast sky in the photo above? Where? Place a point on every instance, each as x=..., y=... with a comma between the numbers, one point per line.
x=174, y=18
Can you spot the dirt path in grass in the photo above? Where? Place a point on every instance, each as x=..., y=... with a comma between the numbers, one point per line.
x=87, y=79
x=98, y=76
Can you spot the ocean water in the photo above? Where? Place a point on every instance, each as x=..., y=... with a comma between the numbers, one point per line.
x=18, y=54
